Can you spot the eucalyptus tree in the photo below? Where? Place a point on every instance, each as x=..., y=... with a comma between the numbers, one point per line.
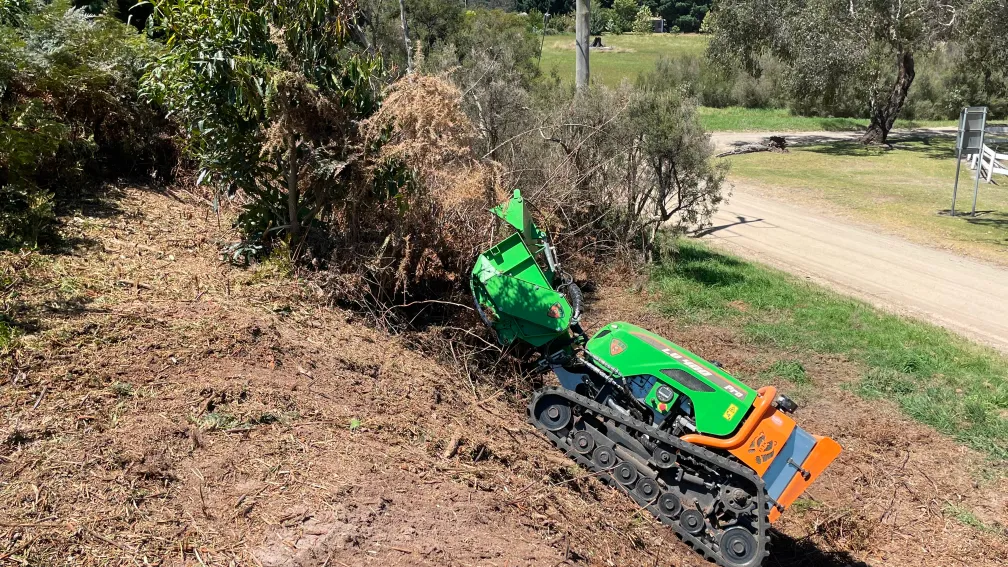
x=271, y=92
x=838, y=48
x=985, y=45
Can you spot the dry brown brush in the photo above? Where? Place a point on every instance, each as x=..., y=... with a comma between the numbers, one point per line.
x=414, y=237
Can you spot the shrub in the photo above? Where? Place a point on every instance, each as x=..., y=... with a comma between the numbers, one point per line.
x=562, y=23
x=601, y=21
x=421, y=242
x=642, y=22
x=270, y=94
x=616, y=166
x=69, y=112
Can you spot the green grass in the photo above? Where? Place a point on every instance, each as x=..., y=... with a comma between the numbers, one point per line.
x=791, y=370
x=631, y=55
x=902, y=189
x=8, y=334
x=966, y=517
x=936, y=377
x=738, y=119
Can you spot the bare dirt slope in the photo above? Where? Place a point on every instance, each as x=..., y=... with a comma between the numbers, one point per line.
x=163, y=408
x=962, y=294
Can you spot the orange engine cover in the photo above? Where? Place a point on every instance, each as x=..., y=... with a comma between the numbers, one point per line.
x=785, y=456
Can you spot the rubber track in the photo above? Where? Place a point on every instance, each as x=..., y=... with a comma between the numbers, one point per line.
x=762, y=540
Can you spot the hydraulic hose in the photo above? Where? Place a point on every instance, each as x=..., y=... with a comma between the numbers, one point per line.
x=576, y=299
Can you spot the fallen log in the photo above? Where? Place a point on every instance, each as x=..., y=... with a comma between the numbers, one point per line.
x=771, y=144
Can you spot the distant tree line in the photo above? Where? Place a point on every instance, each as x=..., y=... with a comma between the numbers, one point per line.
x=266, y=103
x=680, y=15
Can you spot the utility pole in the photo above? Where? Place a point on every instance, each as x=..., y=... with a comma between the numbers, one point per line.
x=581, y=37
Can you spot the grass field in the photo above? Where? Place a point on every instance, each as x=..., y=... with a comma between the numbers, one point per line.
x=936, y=377
x=631, y=55
x=738, y=119
x=634, y=54
x=902, y=189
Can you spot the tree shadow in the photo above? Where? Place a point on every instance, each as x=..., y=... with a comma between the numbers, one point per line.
x=995, y=220
x=939, y=147
x=47, y=297
x=697, y=254
x=985, y=218
x=96, y=200
x=786, y=551
x=712, y=229
x=706, y=267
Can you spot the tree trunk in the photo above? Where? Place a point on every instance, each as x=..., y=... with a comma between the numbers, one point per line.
x=293, y=195
x=884, y=114
x=405, y=36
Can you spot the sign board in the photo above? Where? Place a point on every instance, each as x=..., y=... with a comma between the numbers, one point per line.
x=972, y=121
x=969, y=141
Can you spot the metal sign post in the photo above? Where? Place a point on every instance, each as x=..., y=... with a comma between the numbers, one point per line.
x=959, y=138
x=969, y=141
x=976, y=184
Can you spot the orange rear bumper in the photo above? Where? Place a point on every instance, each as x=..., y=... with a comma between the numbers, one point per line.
x=824, y=452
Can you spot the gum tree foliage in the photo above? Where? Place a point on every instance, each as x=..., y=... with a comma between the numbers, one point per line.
x=836, y=48
x=270, y=92
x=601, y=21
x=624, y=13
x=642, y=21
x=493, y=61
x=984, y=41
x=428, y=22
x=554, y=7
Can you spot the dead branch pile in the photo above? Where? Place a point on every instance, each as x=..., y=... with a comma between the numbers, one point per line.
x=771, y=144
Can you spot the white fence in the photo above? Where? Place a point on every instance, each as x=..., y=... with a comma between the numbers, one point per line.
x=990, y=163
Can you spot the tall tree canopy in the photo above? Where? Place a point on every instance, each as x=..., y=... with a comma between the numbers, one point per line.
x=833, y=48
x=985, y=43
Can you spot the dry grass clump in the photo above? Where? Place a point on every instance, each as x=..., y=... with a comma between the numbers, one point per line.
x=426, y=129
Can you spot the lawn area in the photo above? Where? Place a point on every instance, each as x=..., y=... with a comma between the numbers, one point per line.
x=631, y=55
x=936, y=377
x=902, y=190
x=738, y=119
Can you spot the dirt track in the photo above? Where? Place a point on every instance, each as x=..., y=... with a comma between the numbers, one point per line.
x=724, y=141
x=961, y=294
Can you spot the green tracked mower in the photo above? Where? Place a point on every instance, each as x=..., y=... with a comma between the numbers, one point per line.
x=707, y=455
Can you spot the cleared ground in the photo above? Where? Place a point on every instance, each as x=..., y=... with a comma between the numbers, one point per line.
x=163, y=408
